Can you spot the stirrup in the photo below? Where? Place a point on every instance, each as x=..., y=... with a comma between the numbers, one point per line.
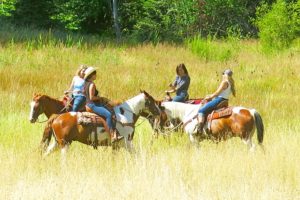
x=118, y=138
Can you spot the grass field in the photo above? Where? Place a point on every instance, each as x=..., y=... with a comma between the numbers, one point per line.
x=168, y=169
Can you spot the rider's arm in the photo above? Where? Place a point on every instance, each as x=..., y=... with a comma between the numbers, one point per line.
x=92, y=89
x=70, y=88
x=222, y=87
x=173, y=86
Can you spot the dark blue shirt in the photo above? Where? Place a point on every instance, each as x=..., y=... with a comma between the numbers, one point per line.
x=182, y=84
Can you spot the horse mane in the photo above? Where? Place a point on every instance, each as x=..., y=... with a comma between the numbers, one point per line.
x=48, y=98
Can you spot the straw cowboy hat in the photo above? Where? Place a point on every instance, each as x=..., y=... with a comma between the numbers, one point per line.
x=89, y=71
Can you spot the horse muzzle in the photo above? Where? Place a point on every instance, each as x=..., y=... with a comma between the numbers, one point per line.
x=32, y=120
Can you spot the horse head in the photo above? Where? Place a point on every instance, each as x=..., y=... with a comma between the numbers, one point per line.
x=36, y=107
x=151, y=104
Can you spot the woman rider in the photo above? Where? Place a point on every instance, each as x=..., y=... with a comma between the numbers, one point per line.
x=91, y=97
x=221, y=94
x=77, y=89
x=180, y=85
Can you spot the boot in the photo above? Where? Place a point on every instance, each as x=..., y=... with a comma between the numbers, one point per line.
x=200, y=124
x=115, y=136
x=200, y=128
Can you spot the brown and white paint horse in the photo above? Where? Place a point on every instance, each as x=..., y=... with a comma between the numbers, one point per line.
x=241, y=123
x=44, y=104
x=66, y=128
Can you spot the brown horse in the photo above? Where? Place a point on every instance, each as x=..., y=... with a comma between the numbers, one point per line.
x=236, y=122
x=44, y=104
x=66, y=128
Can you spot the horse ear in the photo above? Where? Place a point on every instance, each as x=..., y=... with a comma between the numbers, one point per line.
x=146, y=93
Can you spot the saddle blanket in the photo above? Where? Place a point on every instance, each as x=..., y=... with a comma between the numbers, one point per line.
x=223, y=112
x=87, y=118
x=98, y=133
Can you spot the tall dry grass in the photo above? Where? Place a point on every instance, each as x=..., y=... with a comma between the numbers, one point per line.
x=170, y=168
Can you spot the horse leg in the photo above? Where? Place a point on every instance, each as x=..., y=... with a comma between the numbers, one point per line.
x=250, y=144
x=64, y=149
x=51, y=148
x=128, y=144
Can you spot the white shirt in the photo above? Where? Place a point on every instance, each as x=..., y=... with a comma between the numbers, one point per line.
x=227, y=92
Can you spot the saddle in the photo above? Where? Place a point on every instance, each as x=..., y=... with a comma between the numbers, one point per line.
x=194, y=101
x=98, y=126
x=107, y=103
x=88, y=118
x=222, y=110
x=216, y=114
x=68, y=104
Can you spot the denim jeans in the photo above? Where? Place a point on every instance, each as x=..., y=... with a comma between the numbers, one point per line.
x=179, y=98
x=103, y=112
x=210, y=106
x=78, y=102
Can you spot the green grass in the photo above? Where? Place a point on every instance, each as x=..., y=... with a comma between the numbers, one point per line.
x=170, y=168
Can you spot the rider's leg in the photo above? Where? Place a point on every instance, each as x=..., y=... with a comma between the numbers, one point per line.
x=179, y=98
x=102, y=111
x=205, y=110
x=201, y=121
x=78, y=102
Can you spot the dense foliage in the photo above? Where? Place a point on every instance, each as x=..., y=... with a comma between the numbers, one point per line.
x=279, y=25
x=162, y=20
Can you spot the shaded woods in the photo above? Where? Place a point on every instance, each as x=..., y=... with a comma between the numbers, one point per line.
x=149, y=20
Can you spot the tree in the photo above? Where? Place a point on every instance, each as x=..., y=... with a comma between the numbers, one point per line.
x=6, y=7
x=89, y=16
x=116, y=20
x=33, y=12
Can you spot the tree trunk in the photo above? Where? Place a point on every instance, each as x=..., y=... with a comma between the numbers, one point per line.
x=116, y=20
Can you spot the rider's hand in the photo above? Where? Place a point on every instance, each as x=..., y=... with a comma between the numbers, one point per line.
x=208, y=97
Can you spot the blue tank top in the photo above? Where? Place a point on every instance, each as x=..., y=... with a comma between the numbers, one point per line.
x=78, y=88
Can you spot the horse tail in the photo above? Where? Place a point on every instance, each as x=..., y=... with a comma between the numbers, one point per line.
x=259, y=125
x=47, y=135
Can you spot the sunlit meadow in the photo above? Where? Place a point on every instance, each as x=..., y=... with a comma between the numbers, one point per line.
x=169, y=168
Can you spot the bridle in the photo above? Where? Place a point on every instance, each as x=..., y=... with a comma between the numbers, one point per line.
x=37, y=112
x=151, y=112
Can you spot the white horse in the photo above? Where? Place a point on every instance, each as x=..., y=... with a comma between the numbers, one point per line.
x=66, y=129
x=181, y=111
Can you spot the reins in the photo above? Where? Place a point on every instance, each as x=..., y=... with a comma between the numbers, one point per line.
x=143, y=120
x=61, y=111
x=167, y=133
x=41, y=121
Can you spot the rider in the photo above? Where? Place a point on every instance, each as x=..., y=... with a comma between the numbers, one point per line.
x=77, y=88
x=92, y=96
x=180, y=85
x=223, y=92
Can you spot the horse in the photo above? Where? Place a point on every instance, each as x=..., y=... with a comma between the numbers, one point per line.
x=65, y=127
x=239, y=122
x=44, y=104
x=169, y=121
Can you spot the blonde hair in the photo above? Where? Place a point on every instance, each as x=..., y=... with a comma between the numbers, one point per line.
x=81, y=67
x=231, y=81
